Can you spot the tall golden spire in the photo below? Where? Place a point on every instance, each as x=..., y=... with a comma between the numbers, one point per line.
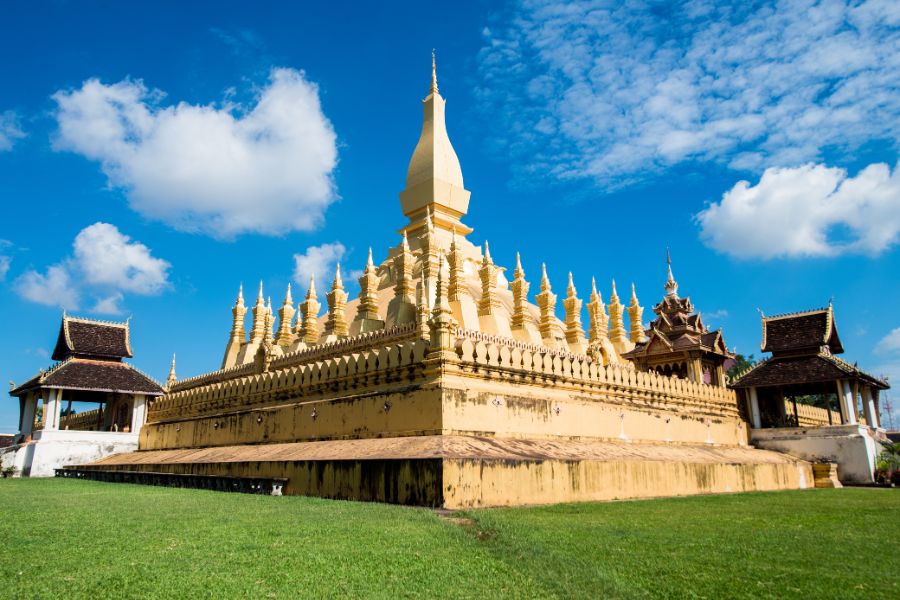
x=434, y=178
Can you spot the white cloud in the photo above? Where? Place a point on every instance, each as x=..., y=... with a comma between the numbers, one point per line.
x=222, y=171
x=55, y=288
x=614, y=91
x=889, y=343
x=318, y=261
x=105, y=263
x=109, y=305
x=108, y=257
x=812, y=210
x=10, y=131
x=5, y=262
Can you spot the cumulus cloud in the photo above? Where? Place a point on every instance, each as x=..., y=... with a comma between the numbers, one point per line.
x=104, y=264
x=811, y=210
x=889, y=343
x=53, y=288
x=109, y=258
x=219, y=170
x=10, y=131
x=616, y=91
x=318, y=262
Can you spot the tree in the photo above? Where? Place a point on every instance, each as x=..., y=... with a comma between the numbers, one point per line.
x=741, y=364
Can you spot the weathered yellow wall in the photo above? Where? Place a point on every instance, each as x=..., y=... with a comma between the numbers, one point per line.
x=412, y=412
x=507, y=409
x=472, y=483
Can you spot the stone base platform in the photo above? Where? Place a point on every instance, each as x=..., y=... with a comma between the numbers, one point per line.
x=462, y=471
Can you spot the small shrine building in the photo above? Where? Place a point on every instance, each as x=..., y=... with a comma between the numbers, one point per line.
x=678, y=344
x=805, y=400
x=90, y=368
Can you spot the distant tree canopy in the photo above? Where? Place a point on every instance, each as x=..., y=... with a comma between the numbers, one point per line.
x=741, y=364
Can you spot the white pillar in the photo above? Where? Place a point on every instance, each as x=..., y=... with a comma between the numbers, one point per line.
x=28, y=414
x=754, y=409
x=51, y=411
x=869, y=407
x=138, y=412
x=849, y=402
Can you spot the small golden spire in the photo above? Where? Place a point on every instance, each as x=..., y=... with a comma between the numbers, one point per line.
x=545, y=281
x=434, y=85
x=172, y=377
x=337, y=284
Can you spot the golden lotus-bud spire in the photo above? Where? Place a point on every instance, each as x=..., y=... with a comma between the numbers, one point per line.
x=367, y=308
x=546, y=301
x=309, y=331
x=488, y=274
x=434, y=177
x=572, y=305
x=259, y=317
x=617, y=333
x=285, y=316
x=237, y=336
x=336, y=324
x=519, y=287
x=635, y=314
x=456, y=284
x=599, y=322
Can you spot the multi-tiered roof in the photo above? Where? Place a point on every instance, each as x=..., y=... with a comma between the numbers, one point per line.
x=90, y=355
x=678, y=329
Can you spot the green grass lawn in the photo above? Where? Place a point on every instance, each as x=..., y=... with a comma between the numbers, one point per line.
x=70, y=539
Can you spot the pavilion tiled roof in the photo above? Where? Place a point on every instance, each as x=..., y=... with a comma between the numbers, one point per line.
x=777, y=371
x=93, y=375
x=90, y=338
x=808, y=330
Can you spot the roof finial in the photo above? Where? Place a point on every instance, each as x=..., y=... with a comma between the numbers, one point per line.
x=369, y=262
x=671, y=285
x=434, y=85
x=170, y=381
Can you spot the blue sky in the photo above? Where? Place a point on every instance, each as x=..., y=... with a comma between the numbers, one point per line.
x=155, y=155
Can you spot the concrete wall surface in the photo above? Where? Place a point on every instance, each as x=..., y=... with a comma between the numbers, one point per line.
x=50, y=450
x=852, y=447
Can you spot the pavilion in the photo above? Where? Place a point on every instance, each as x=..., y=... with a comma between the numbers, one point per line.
x=805, y=401
x=678, y=343
x=804, y=346
x=90, y=368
